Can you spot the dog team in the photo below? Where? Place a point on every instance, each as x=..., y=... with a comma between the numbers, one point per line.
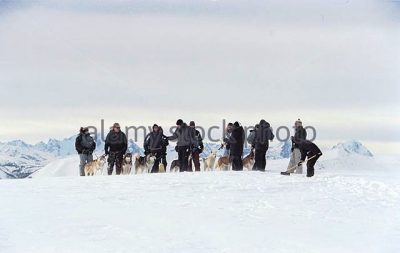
x=189, y=147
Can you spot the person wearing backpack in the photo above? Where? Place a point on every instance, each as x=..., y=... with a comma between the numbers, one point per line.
x=252, y=136
x=236, y=142
x=261, y=144
x=186, y=143
x=85, y=146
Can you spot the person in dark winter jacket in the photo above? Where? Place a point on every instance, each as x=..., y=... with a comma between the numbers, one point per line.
x=312, y=152
x=236, y=142
x=186, y=142
x=263, y=135
x=115, y=147
x=154, y=144
x=227, y=136
x=164, y=144
x=252, y=136
x=85, y=146
x=196, y=151
x=295, y=156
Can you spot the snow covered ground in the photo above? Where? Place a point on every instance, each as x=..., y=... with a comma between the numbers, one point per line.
x=351, y=205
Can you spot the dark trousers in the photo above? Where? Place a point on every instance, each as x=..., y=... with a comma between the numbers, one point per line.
x=183, y=157
x=195, y=160
x=164, y=160
x=310, y=166
x=115, y=158
x=237, y=163
x=260, y=160
x=156, y=165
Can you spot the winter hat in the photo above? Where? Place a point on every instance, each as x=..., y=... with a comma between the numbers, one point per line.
x=179, y=122
x=82, y=130
x=230, y=124
x=116, y=125
x=192, y=123
x=298, y=122
x=236, y=124
x=155, y=125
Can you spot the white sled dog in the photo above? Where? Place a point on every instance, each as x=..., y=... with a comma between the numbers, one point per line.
x=95, y=165
x=144, y=163
x=209, y=161
x=127, y=164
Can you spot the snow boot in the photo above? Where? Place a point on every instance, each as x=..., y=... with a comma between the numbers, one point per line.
x=285, y=173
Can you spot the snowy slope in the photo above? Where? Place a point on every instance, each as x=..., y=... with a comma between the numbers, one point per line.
x=64, y=167
x=336, y=211
x=351, y=205
x=18, y=159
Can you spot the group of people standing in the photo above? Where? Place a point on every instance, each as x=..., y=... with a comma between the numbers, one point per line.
x=116, y=145
x=189, y=142
x=190, y=145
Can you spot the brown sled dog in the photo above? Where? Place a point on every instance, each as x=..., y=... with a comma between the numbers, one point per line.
x=249, y=160
x=95, y=165
x=224, y=163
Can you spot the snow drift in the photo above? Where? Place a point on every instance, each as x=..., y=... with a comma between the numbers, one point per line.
x=351, y=205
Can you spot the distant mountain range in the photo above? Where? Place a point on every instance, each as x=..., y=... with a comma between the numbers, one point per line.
x=19, y=159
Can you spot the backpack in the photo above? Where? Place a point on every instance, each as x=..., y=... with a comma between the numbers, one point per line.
x=87, y=141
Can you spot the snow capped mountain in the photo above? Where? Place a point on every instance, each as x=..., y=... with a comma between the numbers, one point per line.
x=19, y=159
x=18, y=143
x=352, y=147
x=133, y=148
x=58, y=147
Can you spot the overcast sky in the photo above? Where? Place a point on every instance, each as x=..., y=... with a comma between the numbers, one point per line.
x=334, y=64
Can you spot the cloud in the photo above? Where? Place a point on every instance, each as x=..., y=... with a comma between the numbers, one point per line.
x=151, y=60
